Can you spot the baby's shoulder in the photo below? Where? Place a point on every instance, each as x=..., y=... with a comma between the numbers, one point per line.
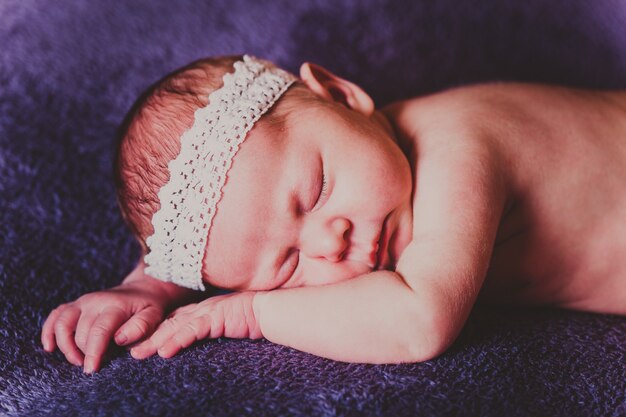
x=461, y=109
x=470, y=115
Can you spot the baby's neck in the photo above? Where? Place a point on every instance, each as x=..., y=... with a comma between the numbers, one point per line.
x=380, y=119
x=386, y=118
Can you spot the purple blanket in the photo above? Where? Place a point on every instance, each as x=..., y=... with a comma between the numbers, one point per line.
x=69, y=70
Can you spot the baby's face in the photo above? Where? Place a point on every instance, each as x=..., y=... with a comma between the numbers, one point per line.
x=308, y=205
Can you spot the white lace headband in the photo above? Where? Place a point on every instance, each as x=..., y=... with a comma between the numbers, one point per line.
x=197, y=175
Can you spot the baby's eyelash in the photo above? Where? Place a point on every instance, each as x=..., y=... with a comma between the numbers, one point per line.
x=321, y=197
x=324, y=187
x=323, y=191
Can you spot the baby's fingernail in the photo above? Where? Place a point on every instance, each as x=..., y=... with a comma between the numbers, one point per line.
x=90, y=363
x=46, y=346
x=121, y=338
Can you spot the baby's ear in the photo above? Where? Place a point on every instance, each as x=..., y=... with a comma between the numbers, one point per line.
x=331, y=87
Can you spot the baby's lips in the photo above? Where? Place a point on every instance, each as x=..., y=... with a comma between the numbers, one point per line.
x=366, y=256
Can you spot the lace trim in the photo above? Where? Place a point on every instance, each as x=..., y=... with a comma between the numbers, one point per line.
x=197, y=175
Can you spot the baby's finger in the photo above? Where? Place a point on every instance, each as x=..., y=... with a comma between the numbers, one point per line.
x=64, y=331
x=166, y=330
x=101, y=332
x=139, y=326
x=184, y=338
x=47, y=331
x=85, y=322
x=189, y=308
x=149, y=347
x=143, y=350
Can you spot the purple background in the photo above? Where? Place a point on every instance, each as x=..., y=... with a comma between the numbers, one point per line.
x=69, y=70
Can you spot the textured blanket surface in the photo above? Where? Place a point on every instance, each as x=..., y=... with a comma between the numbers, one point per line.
x=69, y=70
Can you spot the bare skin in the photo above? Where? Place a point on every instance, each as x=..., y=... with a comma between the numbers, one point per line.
x=561, y=239
x=517, y=195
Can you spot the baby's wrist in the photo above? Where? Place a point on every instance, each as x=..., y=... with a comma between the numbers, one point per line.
x=170, y=295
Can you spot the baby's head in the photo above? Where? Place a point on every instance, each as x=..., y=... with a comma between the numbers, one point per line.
x=314, y=185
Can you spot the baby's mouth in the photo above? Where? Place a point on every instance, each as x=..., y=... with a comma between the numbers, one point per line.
x=383, y=243
x=372, y=253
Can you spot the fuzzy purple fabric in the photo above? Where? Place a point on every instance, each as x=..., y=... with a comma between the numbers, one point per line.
x=69, y=70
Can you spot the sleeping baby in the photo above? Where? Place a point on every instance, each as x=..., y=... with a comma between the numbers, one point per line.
x=352, y=233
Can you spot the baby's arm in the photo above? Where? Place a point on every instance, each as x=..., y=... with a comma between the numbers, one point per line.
x=131, y=311
x=413, y=314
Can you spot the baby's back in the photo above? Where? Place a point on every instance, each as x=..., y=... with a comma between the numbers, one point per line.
x=562, y=237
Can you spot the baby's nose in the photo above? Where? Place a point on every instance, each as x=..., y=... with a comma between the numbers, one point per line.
x=329, y=241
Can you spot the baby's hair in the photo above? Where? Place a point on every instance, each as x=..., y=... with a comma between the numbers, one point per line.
x=149, y=136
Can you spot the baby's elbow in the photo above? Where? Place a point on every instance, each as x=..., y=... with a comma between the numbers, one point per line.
x=433, y=336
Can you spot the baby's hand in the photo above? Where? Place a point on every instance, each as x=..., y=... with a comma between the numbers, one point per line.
x=85, y=326
x=229, y=315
